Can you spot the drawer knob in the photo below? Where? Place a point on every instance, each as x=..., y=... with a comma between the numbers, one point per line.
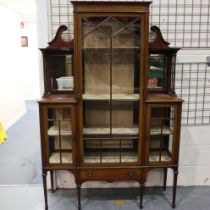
x=90, y=173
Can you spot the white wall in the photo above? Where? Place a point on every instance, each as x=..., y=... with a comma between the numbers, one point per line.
x=42, y=35
x=12, y=97
x=29, y=61
x=19, y=67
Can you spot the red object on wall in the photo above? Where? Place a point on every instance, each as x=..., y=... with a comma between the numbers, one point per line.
x=21, y=24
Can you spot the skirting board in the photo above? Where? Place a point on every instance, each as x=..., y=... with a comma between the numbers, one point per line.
x=15, y=119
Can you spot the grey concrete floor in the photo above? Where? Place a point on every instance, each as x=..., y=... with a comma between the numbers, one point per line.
x=20, y=157
x=31, y=198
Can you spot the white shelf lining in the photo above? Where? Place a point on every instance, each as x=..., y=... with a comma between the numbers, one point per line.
x=121, y=97
x=121, y=131
x=54, y=131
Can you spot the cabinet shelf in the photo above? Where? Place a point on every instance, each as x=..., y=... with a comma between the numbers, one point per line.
x=117, y=97
x=113, y=48
x=54, y=131
x=154, y=156
x=109, y=144
x=156, y=68
x=159, y=131
x=66, y=157
x=110, y=157
x=121, y=131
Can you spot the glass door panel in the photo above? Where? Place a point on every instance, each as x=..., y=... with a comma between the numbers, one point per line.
x=110, y=150
x=96, y=118
x=161, y=134
x=111, y=80
x=59, y=135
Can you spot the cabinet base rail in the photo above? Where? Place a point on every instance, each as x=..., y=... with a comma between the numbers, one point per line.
x=79, y=182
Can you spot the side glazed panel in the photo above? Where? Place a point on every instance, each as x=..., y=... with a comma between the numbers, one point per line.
x=162, y=133
x=58, y=134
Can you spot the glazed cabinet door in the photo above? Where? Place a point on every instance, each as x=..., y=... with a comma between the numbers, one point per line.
x=162, y=137
x=58, y=134
x=111, y=52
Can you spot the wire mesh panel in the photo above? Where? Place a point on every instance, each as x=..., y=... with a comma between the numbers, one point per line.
x=60, y=12
x=184, y=23
x=193, y=85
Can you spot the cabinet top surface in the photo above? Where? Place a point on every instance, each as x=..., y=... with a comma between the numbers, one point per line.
x=58, y=99
x=163, y=98
x=111, y=6
x=110, y=2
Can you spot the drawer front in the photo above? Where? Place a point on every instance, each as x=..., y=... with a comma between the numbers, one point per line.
x=110, y=174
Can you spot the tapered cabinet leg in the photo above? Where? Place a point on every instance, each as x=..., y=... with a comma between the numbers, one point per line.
x=165, y=170
x=52, y=173
x=141, y=195
x=174, y=187
x=44, y=177
x=79, y=196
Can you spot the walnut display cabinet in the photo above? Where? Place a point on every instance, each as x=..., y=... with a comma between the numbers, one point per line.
x=111, y=112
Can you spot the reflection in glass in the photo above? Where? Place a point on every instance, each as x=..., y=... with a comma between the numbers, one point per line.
x=156, y=73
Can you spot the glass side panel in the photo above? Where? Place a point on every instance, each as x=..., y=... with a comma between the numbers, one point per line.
x=61, y=72
x=156, y=73
x=161, y=134
x=111, y=81
x=59, y=136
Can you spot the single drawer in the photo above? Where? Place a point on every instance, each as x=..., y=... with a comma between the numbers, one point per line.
x=110, y=174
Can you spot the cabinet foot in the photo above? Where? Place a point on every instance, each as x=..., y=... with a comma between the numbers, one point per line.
x=164, y=178
x=79, y=196
x=44, y=177
x=175, y=170
x=52, y=181
x=141, y=196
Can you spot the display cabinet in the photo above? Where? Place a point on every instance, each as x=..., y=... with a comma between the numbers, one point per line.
x=118, y=117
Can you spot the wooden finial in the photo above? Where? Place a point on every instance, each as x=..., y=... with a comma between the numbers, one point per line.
x=58, y=42
x=159, y=41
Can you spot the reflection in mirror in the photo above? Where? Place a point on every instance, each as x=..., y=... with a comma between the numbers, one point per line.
x=61, y=72
x=156, y=73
